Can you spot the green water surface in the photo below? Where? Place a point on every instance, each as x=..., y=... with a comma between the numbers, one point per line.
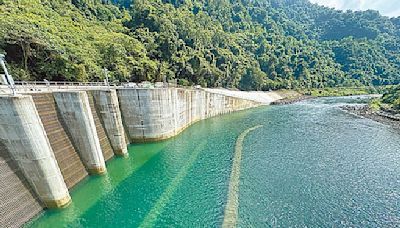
x=311, y=164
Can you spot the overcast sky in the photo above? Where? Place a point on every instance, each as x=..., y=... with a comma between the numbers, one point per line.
x=389, y=8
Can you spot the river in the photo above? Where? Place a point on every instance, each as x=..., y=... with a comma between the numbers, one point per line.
x=305, y=164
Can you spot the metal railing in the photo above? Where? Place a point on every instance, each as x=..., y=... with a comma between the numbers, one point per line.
x=49, y=86
x=45, y=86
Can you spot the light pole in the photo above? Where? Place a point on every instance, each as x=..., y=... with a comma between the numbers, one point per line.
x=106, y=80
x=9, y=78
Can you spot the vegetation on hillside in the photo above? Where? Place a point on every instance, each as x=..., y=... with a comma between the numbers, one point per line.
x=392, y=97
x=246, y=44
x=341, y=91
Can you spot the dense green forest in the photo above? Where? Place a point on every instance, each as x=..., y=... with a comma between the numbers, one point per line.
x=246, y=44
x=392, y=97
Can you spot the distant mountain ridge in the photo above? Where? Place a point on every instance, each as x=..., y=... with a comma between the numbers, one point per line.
x=246, y=44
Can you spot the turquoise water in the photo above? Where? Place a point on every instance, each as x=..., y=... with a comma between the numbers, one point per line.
x=311, y=164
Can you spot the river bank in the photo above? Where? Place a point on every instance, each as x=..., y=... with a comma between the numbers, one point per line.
x=292, y=100
x=384, y=117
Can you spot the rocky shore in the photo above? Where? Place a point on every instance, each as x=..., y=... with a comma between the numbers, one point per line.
x=291, y=100
x=386, y=117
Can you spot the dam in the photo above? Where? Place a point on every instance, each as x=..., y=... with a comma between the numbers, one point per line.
x=52, y=139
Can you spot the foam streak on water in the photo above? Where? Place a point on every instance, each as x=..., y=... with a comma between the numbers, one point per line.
x=231, y=208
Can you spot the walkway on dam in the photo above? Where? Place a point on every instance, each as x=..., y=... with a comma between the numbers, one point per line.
x=43, y=87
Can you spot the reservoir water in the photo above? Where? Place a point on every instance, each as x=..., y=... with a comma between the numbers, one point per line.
x=306, y=164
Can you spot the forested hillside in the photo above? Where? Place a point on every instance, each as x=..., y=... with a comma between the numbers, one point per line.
x=392, y=97
x=246, y=44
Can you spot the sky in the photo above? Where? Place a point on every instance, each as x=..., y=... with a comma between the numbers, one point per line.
x=389, y=8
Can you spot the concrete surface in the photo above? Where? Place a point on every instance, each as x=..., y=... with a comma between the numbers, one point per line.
x=23, y=134
x=75, y=110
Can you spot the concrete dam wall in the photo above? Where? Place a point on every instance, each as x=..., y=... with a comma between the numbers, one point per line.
x=157, y=114
x=51, y=141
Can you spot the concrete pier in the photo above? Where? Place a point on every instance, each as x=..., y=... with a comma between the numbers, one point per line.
x=23, y=134
x=105, y=143
x=67, y=157
x=75, y=110
x=107, y=103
